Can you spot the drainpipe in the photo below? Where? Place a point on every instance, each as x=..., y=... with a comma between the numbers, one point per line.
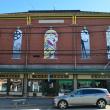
x=26, y=56
x=74, y=48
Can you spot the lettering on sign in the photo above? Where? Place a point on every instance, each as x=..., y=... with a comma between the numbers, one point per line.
x=100, y=76
x=52, y=76
x=9, y=76
x=39, y=76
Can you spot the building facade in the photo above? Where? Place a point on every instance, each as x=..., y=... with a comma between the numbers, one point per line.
x=52, y=52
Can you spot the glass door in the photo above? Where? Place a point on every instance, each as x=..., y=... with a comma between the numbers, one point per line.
x=50, y=88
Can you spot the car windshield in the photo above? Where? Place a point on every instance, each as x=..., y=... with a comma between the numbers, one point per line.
x=73, y=92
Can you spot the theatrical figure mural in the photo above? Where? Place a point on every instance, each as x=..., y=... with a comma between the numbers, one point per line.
x=50, y=42
x=108, y=42
x=17, y=42
x=85, y=43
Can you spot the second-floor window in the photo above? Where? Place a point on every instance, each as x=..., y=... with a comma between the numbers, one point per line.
x=85, y=44
x=17, y=42
x=50, y=44
x=108, y=42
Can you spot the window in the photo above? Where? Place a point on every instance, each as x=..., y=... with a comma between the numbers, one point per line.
x=3, y=85
x=79, y=92
x=65, y=86
x=85, y=43
x=91, y=91
x=50, y=44
x=98, y=91
x=84, y=83
x=88, y=91
x=34, y=86
x=16, y=85
x=17, y=42
x=108, y=41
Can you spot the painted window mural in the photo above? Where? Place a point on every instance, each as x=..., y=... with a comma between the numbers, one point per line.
x=17, y=42
x=85, y=43
x=50, y=42
x=108, y=41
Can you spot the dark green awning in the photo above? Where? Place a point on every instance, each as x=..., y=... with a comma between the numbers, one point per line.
x=51, y=70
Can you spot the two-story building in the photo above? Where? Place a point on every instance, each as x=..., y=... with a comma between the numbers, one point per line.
x=53, y=51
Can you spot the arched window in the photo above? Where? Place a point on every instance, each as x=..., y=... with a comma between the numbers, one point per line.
x=17, y=42
x=85, y=43
x=108, y=41
x=50, y=41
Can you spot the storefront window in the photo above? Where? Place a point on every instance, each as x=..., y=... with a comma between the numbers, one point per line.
x=84, y=83
x=65, y=86
x=3, y=85
x=34, y=86
x=16, y=85
x=92, y=83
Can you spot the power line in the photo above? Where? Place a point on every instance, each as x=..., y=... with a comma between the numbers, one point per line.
x=56, y=26
x=102, y=49
x=57, y=32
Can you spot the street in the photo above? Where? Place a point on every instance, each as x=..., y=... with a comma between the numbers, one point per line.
x=47, y=108
x=37, y=104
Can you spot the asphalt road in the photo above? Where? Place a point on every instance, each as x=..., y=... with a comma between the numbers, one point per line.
x=73, y=108
x=36, y=104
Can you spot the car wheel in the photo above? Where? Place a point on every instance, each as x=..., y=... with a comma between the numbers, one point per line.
x=63, y=104
x=101, y=104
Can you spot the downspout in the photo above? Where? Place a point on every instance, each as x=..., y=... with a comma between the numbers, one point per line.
x=26, y=56
x=74, y=48
x=27, y=40
x=74, y=51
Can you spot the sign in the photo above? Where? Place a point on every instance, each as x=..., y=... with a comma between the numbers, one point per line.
x=9, y=75
x=99, y=76
x=50, y=76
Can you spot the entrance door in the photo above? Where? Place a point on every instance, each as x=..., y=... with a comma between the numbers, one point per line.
x=50, y=88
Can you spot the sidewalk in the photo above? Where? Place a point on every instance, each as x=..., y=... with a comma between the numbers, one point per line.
x=24, y=97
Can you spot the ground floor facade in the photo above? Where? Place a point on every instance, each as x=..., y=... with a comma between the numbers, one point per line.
x=49, y=84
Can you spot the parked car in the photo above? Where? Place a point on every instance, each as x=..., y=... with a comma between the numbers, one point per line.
x=84, y=96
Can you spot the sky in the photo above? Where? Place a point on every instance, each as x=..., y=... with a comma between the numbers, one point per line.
x=12, y=6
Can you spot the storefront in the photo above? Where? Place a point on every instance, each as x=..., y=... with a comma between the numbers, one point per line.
x=49, y=84
x=94, y=80
x=59, y=84
x=53, y=84
x=11, y=84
